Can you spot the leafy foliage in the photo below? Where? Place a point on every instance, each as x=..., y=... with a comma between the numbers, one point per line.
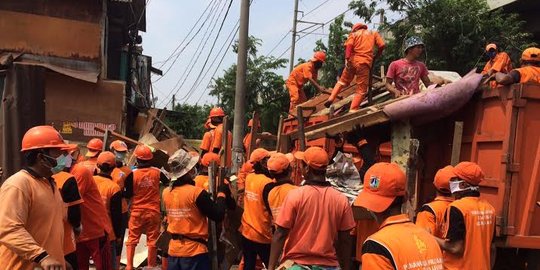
x=188, y=120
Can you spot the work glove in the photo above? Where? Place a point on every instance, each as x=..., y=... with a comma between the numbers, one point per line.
x=229, y=201
x=328, y=103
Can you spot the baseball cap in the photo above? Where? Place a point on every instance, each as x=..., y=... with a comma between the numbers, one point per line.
x=290, y=157
x=315, y=157
x=442, y=178
x=470, y=172
x=531, y=54
x=208, y=158
x=491, y=46
x=278, y=163
x=258, y=155
x=383, y=182
x=106, y=158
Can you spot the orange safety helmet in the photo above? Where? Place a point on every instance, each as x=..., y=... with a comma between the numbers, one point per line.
x=319, y=56
x=358, y=26
x=95, y=144
x=119, y=146
x=143, y=152
x=41, y=137
x=217, y=112
x=531, y=54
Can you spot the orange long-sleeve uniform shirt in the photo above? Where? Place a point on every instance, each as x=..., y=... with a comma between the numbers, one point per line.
x=401, y=245
x=526, y=74
x=119, y=175
x=108, y=190
x=207, y=141
x=256, y=222
x=31, y=218
x=217, y=142
x=500, y=63
x=201, y=181
x=432, y=215
x=296, y=80
x=471, y=219
x=90, y=164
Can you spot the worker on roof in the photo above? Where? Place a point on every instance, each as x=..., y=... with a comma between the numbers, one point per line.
x=275, y=193
x=499, y=61
x=256, y=222
x=32, y=210
x=315, y=219
x=470, y=222
x=119, y=173
x=358, y=61
x=95, y=146
x=208, y=137
x=216, y=119
x=188, y=207
x=399, y=243
x=247, y=138
x=142, y=187
x=404, y=75
x=432, y=215
x=201, y=180
x=67, y=184
x=111, y=196
x=529, y=72
x=300, y=75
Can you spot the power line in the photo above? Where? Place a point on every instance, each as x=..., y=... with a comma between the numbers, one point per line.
x=315, y=8
x=280, y=41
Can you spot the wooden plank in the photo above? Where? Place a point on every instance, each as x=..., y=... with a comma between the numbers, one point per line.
x=301, y=135
x=456, y=143
x=254, y=129
x=212, y=224
x=347, y=125
x=224, y=142
x=279, y=131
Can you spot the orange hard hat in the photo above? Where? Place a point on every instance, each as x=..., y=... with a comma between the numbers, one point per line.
x=469, y=172
x=383, y=182
x=442, y=179
x=319, y=56
x=278, y=163
x=491, y=46
x=258, y=154
x=531, y=54
x=250, y=123
x=119, y=146
x=143, y=152
x=94, y=146
x=290, y=157
x=314, y=157
x=217, y=112
x=41, y=137
x=209, y=158
x=358, y=26
x=106, y=158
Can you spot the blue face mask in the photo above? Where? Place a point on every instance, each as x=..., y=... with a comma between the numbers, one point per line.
x=58, y=164
x=119, y=156
x=491, y=54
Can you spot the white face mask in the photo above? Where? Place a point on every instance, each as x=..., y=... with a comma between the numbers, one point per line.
x=455, y=187
x=69, y=161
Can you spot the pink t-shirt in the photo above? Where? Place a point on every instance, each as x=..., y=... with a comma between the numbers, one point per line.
x=314, y=215
x=407, y=75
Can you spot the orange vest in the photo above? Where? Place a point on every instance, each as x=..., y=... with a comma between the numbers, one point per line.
x=69, y=237
x=409, y=246
x=201, y=181
x=256, y=222
x=218, y=136
x=363, y=41
x=479, y=218
x=276, y=197
x=207, y=141
x=107, y=188
x=146, y=189
x=119, y=177
x=185, y=219
x=529, y=74
x=433, y=221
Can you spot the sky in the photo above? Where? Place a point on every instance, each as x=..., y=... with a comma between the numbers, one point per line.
x=169, y=22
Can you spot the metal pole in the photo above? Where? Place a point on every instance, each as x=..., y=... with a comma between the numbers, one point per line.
x=240, y=94
x=293, y=44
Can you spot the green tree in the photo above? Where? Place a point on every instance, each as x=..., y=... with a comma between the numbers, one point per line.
x=188, y=120
x=265, y=89
x=455, y=31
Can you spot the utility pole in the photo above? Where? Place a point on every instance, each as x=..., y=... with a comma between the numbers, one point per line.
x=173, y=101
x=293, y=44
x=240, y=94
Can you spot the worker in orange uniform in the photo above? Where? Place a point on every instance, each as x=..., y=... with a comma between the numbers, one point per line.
x=499, y=61
x=256, y=222
x=358, y=61
x=188, y=208
x=142, y=187
x=399, y=243
x=247, y=138
x=95, y=146
x=67, y=184
x=119, y=174
x=216, y=119
x=275, y=193
x=529, y=72
x=112, y=199
x=208, y=137
x=432, y=215
x=470, y=222
x=315, y=219
x=32, y=210
x=245, y=170
x=201, y=180
x=300, y=75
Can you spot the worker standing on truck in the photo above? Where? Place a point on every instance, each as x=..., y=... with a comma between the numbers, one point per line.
x=208, y=137
x=314, y=224
x=432, y=215
x=529, y=72
x=499, y=61
x=95, y=146
x=188, y=208
x=358, y=61
x=247, y=138
x=256, y=222
x=274, y=193
x=399, y=243
x=470, y=222
x=32, y=210
x=300, y=75
x=142, y=188
x=111, y=196
x=404, y=75
x=201, y=180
